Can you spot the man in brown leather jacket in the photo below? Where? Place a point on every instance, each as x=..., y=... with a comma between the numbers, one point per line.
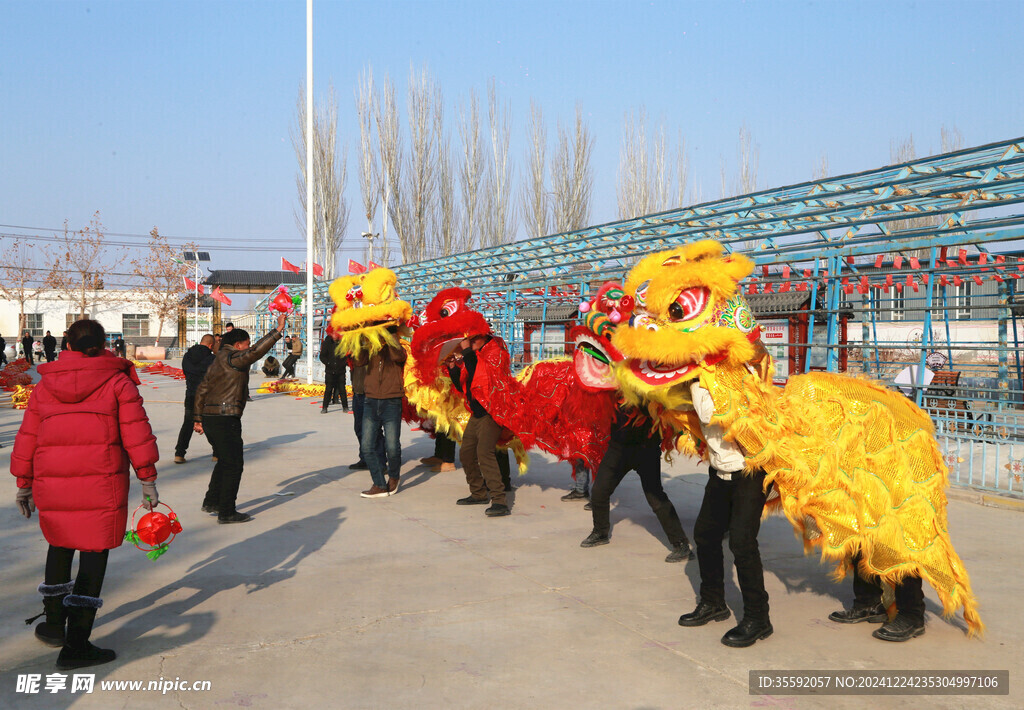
x=219, y=404
x=382, y=408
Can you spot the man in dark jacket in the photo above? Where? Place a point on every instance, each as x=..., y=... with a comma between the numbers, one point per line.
x=64, y=342
x=293, y=357
x=334, y=374
x=119, y=347
x=194, y=364
x=50, y=347
x=3, y=351
x=219, y=404
x=382, y=408
x=26, y=346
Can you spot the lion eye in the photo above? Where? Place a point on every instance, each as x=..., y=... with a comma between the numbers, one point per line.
x=689, y=304
x=449, y=308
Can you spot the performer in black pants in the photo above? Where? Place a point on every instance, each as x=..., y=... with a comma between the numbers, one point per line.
x=633, y=447
x=733, y=502
x=194, y=364
x=867, y=606
x=334, y=375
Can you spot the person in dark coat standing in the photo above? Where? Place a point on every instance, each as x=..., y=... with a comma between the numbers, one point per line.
x=194, y=364
x=83, y=426
x=119, y=347
x=64, y=342
x=26, y=347
x=293, y=357
x=50, y=347
x=219, y=405
x=334, y=374
x=3, y=351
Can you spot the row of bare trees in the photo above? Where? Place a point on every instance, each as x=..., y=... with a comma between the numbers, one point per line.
x=77, y=264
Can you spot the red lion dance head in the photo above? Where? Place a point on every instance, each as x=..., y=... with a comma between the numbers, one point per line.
x=595, y=357
x=447, y=318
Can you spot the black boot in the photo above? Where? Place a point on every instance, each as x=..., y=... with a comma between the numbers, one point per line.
x=874, y=614
x=902, y=628
x=51, y=631
x=77, y=651
x=749, y=632
x=703, y=614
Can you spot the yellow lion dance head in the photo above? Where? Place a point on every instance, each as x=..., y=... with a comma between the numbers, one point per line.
x=688, y=317
x=367, y=311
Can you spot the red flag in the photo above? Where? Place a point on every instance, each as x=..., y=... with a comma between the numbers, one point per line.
x=193, y=286
x=288, y=266
x=375, y=265
x=752, y=288
x=318, y=270
x=785, y=271
x=878, y=261
x=888, y=280
x=998, y=278
x=864, y=284
x=977, y=279
x=217, y=295
x=897, y=261
x=849, y=260
x=915, y=263
x=784, y=288
x=354, y=267
x=807, y=273
x=911, y=282
x=802, y=286
x=962, y=257
x=943, y=281
x=957, y=281
x=950, y=263
x=764, y=270
x=847, y=289
x=982, y=259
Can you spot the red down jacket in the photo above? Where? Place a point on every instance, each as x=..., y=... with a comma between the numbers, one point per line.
x=83, y=424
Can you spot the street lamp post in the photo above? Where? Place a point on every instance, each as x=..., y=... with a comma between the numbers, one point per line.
x=369, y=237
x=195, y=257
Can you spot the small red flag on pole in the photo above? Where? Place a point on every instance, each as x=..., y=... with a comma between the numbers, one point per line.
x=193, y=286
x=374, y=265
x=288, y=266
x=217, y=295
x=318, y=270
x=354, y=267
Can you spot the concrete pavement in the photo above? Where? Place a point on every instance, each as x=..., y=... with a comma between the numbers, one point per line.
x=329, y=600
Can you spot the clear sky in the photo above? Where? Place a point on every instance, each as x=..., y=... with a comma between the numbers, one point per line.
x=178, y=114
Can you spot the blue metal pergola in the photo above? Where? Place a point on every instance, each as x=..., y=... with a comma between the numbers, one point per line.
x=826, y=234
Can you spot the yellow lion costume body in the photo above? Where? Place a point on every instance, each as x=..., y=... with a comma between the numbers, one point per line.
x=855, y=465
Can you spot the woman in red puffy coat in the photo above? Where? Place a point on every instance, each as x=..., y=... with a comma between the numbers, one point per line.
x=84, y=424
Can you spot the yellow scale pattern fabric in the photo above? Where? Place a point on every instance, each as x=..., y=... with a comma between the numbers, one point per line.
x=858, y=460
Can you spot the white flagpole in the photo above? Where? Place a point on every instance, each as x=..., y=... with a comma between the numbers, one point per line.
x=309, y=192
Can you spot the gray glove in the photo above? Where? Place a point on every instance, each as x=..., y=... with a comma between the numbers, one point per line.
x=25, y=503
x=149, y=495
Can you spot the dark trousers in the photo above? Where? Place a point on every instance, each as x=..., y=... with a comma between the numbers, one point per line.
x=187, y=425
x=225, y=435
x=645, y=459
x=28, y=357
x=909, y=593
x=444, y=448
x=358, y=402
x=334, y=387
x=382, y=416
x=735, y=507
x=92, y=568
x=504, y=458
x=50, y=355
x=289, y=365
x=479, y=460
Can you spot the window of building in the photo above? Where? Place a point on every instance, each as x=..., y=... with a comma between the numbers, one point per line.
x=34, y=324
x=72, y=317
x=958, y=300
x=135, y=325
x=897, y=304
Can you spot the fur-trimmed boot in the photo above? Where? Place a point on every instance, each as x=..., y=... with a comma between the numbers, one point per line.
x=77, y=651
x=51, y=631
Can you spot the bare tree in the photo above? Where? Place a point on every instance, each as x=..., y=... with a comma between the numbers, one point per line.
x=160, y=272
x=950, y=139
x=20, y=278
x=446, y=217
x=330, y=178
x=746, y=181
x=821, y=170
x=572, y=176
x=471, y=174
x=534, y=191
x=682, y=171
x=422, y=168
x=633, y=188
x=82, y=258
x=661, y=178
x=390, y=142
x=370, y=186
x=500, y=226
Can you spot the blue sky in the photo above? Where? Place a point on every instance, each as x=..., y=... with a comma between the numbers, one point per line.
x=177, y=114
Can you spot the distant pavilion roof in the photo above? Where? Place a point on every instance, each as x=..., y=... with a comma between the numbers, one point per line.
x=245, y=281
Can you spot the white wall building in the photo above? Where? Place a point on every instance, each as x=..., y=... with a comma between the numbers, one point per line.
x=126, y=313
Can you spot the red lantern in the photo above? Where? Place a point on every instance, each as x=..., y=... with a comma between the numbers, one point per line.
x=155, y=529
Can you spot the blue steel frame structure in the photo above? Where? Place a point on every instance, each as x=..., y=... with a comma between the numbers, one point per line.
x=835, y=228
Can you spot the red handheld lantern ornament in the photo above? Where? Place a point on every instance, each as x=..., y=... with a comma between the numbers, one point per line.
x=284, y=302
x=156, y=530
